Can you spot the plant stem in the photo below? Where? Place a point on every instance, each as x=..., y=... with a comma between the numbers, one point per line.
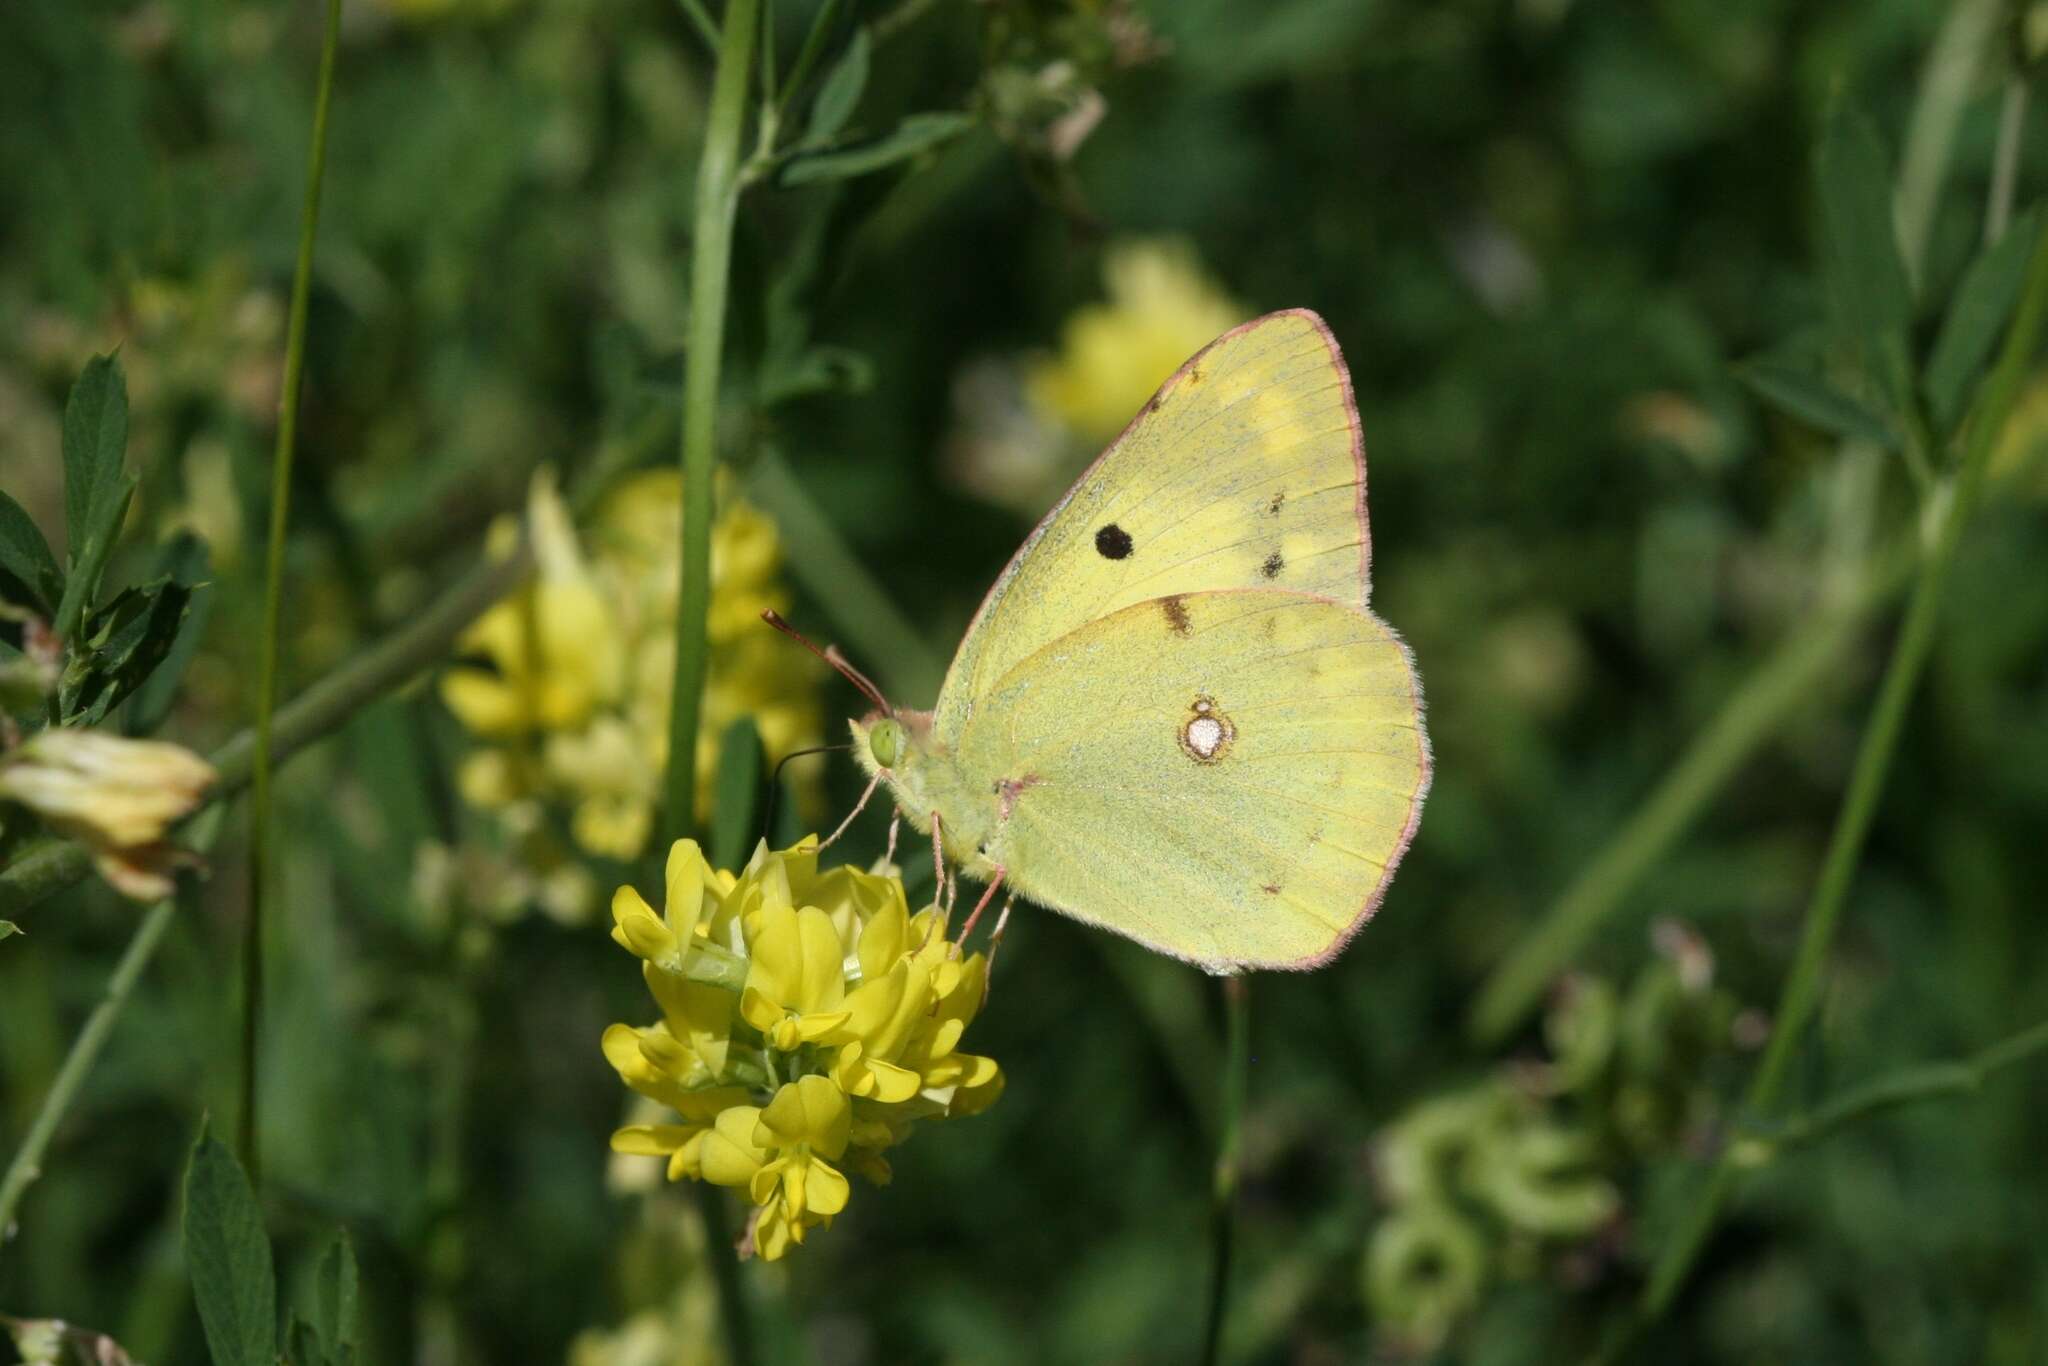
x=1757, y=708
x=1927, y=1081
x=700, y=20
x=28, y=1162
x=1866, y=783
x=725, y=1272
x=1223, y=1215
x=273, y=595
x=2005, y=165
x=48, y=865
x=710, y=268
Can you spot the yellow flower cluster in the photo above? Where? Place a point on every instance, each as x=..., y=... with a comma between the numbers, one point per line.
x=808, y=1021
x=574, y=674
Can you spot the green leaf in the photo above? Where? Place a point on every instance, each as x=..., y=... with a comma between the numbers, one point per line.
x=736, y=794
x=918, y=133
x=302, y=1345
x=228, y=1254
x=29, y=575
x=119, y=647
x=840, y=92
x=8, y=928
x=95, y=444
x=1989, y=291
x=1815, y=402
x=183, y=559
x=97, y=487
x=1867, y=285
x=334, y=1296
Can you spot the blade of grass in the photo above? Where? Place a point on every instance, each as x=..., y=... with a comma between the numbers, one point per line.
x=710, y=270
x=1945, y=87
x=1873, y=763
x=273, y=597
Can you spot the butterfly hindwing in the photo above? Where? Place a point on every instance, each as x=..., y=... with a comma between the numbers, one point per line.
x=1228, y=777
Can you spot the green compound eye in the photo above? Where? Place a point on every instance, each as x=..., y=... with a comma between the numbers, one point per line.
x=886, y=742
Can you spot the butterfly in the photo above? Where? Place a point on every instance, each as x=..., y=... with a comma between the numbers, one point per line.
x=1175, y=715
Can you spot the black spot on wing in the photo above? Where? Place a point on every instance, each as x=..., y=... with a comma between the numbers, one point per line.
x=1279, y=499
x=1112, y=542
x=1273, y=565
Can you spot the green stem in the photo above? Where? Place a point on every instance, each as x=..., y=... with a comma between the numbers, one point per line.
x=48, y=865
x=1866, y=782
x=1928, y=1081
x=1223, y=1213
x=2005, y=165
x=28, y=1162
x=273, y=594
x=1777, y=688
x=710, y=269
x=725, y=1272
x=807, y=55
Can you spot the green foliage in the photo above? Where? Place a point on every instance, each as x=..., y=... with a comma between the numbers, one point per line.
x=1626, y=314
x=28, y=571
x=118, y=648
x=736, y=798
x=228, y=1253
x=97, y=485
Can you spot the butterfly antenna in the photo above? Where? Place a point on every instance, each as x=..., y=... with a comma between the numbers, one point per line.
x=831, y=656
x=775, y=783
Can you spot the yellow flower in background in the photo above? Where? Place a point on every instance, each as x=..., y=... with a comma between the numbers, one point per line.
x=1024, y=427
x=572, y=677
x=120, y=797
x=1161, y=309
x=808, y=1020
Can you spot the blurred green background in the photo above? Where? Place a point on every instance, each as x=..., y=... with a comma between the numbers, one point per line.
x=1544, y=232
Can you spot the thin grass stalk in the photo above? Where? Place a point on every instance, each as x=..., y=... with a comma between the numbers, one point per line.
x=710, y=271
x=273, y=597
x=1866, y=784
x=85, y=1051
x=1223, y=1195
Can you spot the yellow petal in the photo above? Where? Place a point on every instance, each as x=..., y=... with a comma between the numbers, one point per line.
x=729, y=1154
x=809, y=1110
x=686, y=875
x=826, y=1189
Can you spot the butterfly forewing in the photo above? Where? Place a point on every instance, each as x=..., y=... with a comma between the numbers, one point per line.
x=1245, y=471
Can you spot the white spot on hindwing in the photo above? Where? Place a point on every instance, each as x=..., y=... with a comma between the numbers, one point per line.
x=1206, y=733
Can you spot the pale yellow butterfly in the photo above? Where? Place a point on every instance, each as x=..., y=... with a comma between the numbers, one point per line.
x=1174, y=715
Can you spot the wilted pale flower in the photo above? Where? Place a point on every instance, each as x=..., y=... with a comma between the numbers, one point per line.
x=573, y=675
x=808, y=1021
x=119, y=796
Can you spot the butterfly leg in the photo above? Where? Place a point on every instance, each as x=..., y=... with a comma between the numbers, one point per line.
x=895, y=825
x=858, y=807
x=995, y=941
x=982, y=905
x=938, y=859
